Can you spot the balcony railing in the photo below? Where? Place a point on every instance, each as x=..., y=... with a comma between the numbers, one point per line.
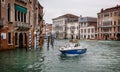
x=1, y=23
x=105, y=25
x=107, y=32
x=22, y=25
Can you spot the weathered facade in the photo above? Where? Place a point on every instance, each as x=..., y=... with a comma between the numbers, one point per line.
x=87, y=27
x=40, y=25
x=59, y=25
x=108, y=24
x=48, y=29
x=72, y=30
x=18, y=21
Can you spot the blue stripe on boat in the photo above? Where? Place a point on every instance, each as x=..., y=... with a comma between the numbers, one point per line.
x=74, y=51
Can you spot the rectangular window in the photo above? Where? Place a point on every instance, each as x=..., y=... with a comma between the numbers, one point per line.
x=119, y=13
x=9, y=38
x=24, y=17
x=92, y=36
x=85, y=30
x=106, y=15
x=15, y=15
x=3, y=0
x=81, y=30
x=92, y=30
x=118, y=21
x=111, y=14
x=88, y=30
x=98, y=15
x=119, y=29
x=21, y=16
x=18, y=15
x=114, y=22
x=115, y=13
x=114, y=29
x=9, y=14
x=25, y=38
x=16, y=38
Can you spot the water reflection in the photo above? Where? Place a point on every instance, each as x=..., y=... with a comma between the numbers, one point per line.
x=21, y=60
x=70, y=57
x=36, y=61
x=65, y=57
x=101, y=56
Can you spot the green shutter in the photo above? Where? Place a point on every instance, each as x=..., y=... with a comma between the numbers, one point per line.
x=20, y=8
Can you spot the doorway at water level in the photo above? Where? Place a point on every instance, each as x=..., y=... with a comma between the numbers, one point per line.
x=20, y=40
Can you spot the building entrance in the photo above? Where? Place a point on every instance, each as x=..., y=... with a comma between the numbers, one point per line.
x=16, y=38
x=118, y=36
x=106, y=37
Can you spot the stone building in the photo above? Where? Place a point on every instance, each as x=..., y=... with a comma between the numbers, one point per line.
x=18, y=22
x=40, y=25
x=72, y=30
x=48, y=28
x=44, y=30
x=108, y=24
x=59, y=25
x=87, y=27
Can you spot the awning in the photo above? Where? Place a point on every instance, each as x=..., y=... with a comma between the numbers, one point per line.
x=20, y=8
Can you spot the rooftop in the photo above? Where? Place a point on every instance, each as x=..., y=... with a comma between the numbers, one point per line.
x=87, y=19
x=117, y=7
x=66, y=16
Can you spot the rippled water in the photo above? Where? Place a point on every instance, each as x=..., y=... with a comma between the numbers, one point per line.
x=101, y=56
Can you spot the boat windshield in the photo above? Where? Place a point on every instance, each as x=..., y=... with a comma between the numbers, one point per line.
x=72, y=45
x=76, y=45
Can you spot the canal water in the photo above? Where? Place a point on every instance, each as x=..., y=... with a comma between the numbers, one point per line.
x=101, y=56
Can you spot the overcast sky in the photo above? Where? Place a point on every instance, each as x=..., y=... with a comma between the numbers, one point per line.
x=55, y=8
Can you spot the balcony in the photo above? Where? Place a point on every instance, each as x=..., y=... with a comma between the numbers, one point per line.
x=1, y=23
x=22, y=26
x=105, y=26
x=107, y=32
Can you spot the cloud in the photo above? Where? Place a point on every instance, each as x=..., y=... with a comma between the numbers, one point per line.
x=55, y=8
